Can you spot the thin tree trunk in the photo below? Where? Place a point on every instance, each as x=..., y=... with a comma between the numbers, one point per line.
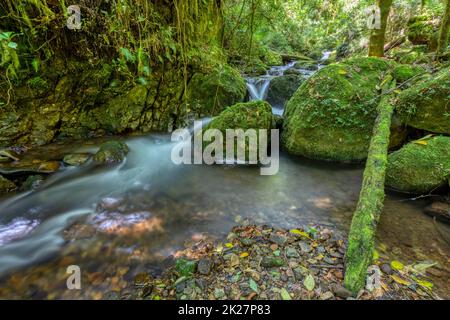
x=370, y=205
x=443, y=32
x=376, y=45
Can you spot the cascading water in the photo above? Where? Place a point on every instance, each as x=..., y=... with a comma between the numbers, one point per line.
x=258, y=86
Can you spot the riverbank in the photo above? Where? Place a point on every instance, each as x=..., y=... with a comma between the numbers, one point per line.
x=260, y=262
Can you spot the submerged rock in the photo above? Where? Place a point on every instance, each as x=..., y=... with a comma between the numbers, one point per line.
x=6, y=185
x=210, y=93
x=111, y=152
x=425, y=105
x=420, y=166
x=331, y=116
x=76, y=159
x=32, y=182
x=30, y=166
x=439, y=210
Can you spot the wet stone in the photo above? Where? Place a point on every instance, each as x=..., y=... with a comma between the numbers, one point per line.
x=341, y=292
x=76, y=159
x=292, y=253
x=306, y=248
x=278, y=239
x=386, y=268
x=204, y=266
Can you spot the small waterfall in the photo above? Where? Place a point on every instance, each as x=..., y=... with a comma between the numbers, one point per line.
x=325, y=55
x=257, y=87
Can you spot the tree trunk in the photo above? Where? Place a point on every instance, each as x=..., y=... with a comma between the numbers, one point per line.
x=376, y=44
x=443, y=32
x=365, y=219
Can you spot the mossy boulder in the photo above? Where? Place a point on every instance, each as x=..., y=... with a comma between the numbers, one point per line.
x=420, y=166
x=423, y=30
x=425, y=105
x=282, y=88
x=6, y=185
x=331, y=115
x=210, y=93
x=250, y=115
x=111, y=152
x=306, y=65
x=404, y=72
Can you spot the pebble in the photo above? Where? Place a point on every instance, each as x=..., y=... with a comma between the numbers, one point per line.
x=386, y=268
x=306, y=248
x=341, y=292
x=292, y=253
x=278, y=239
x=205, y=265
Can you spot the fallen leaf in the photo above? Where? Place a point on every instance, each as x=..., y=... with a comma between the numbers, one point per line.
x=309, y=283
x=285, y=294
x=423, y=266
x=253, y=285
x=400, y=280
x=229, y=245
x=397, y=265
x=244, y=254
x=425, y=284
x=300, y=233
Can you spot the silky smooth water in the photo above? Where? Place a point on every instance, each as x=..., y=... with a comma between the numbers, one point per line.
x=147, y=209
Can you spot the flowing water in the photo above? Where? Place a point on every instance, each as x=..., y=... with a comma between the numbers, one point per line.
x=258, y=86
x=114, y=222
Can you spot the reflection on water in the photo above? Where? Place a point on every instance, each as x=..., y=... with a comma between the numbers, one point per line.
x=123, y=220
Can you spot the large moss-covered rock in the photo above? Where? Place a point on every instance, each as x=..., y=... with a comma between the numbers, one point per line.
x=426, y=104
x=250, y=115
x=210, y=93
x=404, y=72
x=282, y=88
x=331, y=115
x=423, y=30
x=111, y=152
x=6, y=185
x=420, y=166
x=123, y=113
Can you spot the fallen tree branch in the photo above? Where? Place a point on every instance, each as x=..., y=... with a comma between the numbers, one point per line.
x=370, y=205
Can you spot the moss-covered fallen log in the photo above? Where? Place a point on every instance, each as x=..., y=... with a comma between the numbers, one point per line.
x=365, y=219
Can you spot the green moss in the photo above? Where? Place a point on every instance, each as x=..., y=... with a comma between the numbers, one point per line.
x=423, y=30
x=210, y=93
x=121, y=113
x=307, y=65
x=6, y=185
x=419, y=167
x=185, y=268
x=331, y=115
x=250, y=115
x=403, y=73
x=425, y=105
x=272, y=58
x=111, y=152
x=38, y=83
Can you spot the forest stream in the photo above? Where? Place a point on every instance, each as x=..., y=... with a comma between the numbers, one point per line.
x=119, y=221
